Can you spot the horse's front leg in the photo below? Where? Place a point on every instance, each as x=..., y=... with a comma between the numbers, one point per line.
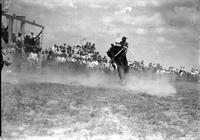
x=122, y=75
x=119, y=73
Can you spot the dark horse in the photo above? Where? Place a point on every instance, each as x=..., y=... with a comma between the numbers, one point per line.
x=118, y=55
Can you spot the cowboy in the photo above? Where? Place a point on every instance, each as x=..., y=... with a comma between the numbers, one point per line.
x=120, y=56
x=123, y=43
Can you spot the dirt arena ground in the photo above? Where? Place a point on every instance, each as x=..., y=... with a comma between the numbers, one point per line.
x=57, y=107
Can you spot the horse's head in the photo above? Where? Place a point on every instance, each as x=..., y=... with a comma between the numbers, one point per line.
x=111, y=51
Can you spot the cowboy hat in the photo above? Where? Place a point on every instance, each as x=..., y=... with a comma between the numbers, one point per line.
x=124, y=38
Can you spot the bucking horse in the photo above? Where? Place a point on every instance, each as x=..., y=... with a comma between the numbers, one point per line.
x=117, y=55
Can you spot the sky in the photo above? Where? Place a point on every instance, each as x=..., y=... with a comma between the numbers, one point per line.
x=158, y=31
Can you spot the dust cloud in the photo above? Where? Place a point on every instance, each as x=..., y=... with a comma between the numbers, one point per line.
x=159, y=86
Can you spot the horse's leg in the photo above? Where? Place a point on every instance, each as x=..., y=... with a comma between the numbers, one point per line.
x=123, y=75
x=124, y=71
x=119, y=72
x=113, y=65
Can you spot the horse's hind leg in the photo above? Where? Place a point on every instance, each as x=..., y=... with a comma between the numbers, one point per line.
x=121, y=73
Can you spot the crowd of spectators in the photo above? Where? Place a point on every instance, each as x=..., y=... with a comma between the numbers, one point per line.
x=88, y=55
x=180, y=73
x=81, y=54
